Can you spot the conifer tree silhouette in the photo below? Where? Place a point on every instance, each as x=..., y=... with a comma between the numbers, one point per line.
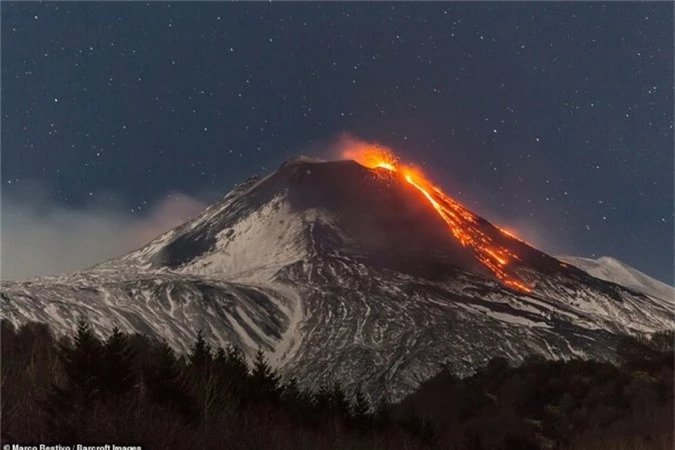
x=339, y=403
x=264, y=381
x=68, y=404
x=361, y=406
x=117, y=374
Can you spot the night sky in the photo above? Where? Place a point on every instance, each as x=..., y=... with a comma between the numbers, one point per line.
x=554, y=120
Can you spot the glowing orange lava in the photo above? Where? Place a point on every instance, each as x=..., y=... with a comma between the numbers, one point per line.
x=461, y=222
x=371, y=156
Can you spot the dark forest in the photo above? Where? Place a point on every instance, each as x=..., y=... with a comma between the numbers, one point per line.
x=130, y=390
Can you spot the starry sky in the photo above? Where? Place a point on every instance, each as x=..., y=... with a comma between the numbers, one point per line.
x=551, y=119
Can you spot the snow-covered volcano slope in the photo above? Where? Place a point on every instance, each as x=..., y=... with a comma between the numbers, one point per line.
x=302, y=209
x=161, y=305
x=611, y=269
x=341, y=272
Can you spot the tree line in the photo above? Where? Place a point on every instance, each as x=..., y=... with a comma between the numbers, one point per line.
x=134, y=390
x=129, y=389
x=574, y=404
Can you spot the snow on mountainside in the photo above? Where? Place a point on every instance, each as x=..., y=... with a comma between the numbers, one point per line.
x=611, y=269
x=161, y=305
x=341, y=272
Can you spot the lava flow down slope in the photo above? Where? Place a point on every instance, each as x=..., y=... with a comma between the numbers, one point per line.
x=494, y=254
x=358, y=270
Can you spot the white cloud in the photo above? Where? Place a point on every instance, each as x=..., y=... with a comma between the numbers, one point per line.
x=41, y=238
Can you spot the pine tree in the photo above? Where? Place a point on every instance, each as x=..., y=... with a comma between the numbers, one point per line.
x=339, y=403
x=220, y=357
x=163, y=380
x=201, y=380
x=361, y=405
x=82, y=361
x=292, y=398
x=232, y=371
x=200, y=357
x=322, y=400
x=291, y=393
x=361, y=410
x=235, y=364
x=383, y=412
x=69, y=403
x=117, y=376
x=264, y=381
x=164, y=367
x=306, y=406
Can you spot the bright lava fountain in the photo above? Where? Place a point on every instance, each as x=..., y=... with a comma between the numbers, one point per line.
x=460, y=221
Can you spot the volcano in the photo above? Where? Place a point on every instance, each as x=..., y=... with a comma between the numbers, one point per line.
x=354, y=270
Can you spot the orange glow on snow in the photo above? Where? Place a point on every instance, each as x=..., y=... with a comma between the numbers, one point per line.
x=513, y=235
x=460, y=221
x=508, y=233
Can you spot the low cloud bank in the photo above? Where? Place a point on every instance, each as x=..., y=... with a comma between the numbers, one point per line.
x=41, y=238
